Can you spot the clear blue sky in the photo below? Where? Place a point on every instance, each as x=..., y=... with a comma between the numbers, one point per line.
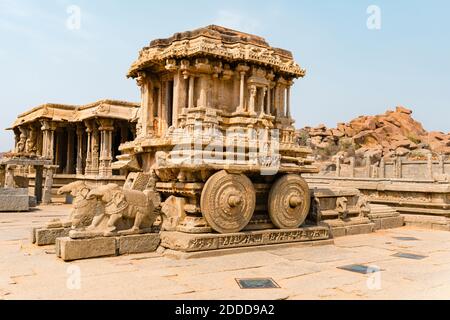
x=351, y=70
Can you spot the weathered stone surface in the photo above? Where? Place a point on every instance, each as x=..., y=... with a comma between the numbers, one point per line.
x=48, y=236
x=203, y=242
x=69, y=249
x=138, y=243
x=391, y=223
x=14, y=199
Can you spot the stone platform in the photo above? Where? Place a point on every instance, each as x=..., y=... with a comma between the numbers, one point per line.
x=186, y=242
x=76, y=249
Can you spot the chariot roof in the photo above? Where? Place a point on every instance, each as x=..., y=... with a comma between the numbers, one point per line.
x=219, y=42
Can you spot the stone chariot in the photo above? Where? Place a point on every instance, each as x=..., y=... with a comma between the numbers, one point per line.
x=216, y=132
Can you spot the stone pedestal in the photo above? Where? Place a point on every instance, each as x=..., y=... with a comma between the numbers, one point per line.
x=46, y=236
x=185, y=242
x=48, y=185
x=385, y=217
x=75, y=249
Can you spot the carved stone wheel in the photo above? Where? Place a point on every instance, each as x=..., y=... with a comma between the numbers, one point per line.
x=228, y=202
x=289, y=202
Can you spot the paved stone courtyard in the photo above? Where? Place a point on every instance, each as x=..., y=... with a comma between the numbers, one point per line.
x=28, y=272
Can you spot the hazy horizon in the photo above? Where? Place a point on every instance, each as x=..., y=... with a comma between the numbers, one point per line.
x=352, y=70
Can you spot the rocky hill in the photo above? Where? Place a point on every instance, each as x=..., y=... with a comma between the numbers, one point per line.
x=394, y=133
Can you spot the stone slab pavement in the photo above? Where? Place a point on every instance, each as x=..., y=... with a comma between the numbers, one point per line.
x=30, y=272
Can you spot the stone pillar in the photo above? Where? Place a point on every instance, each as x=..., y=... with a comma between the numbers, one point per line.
x=441, y=164
x=95, y=144
x=352, y=167
x=277, y=100
x=263, y=98
x=88, y=169
x=382, y=171
x=242, y=70
x=39, y=141
x=80, y=131
x=252, y=100
x=179, y=96
x=367, y=164
x=430, y=166
x=268, y=100
x=204, y=84
x=48, y=184
x=48, y=138
x=106, y=129
x=191, y=92
x=58, y=149
x=146, y=118
x=288, y=101
x=38, y=183
x=70, y=151
x=282, y=111
x=338, y=166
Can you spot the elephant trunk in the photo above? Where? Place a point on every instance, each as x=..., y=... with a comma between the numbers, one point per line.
x=63, y=190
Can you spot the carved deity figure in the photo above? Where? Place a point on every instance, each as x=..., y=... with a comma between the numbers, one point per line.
x=21, y=144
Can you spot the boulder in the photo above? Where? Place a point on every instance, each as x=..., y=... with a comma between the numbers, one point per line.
x=401, y=152
x=402, y=109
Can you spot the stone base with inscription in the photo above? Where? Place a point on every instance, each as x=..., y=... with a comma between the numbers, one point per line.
x=69, y=249
x=185, y=242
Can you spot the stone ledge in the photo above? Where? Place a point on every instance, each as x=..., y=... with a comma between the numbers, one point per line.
x=76, y=249
x=205, y=242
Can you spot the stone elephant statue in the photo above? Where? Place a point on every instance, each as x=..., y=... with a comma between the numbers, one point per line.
x=125, y=211
x=83, y=209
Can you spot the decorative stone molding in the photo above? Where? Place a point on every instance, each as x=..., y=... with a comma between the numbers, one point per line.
x=217, y=42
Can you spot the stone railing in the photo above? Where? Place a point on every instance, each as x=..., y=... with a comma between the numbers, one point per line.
x=396, y=168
